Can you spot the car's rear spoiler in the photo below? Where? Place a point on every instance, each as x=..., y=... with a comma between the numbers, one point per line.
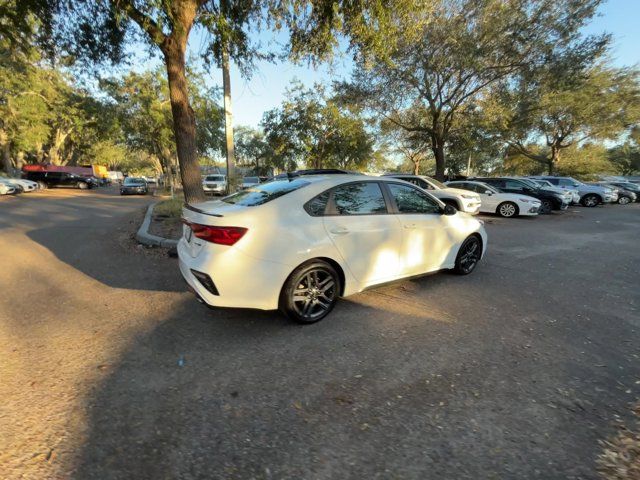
x=197, y=210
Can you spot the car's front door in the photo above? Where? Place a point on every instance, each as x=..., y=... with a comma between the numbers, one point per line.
x=425, y=235
x=367, y=236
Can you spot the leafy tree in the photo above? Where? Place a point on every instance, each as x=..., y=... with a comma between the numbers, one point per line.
x=439, y=67
x=312, y=130
x=625, y=157
x=141, y=103
x=100, y=31
x=253, y=151
x=552, y=111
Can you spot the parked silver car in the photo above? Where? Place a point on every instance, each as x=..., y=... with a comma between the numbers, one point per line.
x=214, y=184
x=590, y=195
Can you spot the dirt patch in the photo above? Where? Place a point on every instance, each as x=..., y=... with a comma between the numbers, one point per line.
x=166, y=226
x=620, y=459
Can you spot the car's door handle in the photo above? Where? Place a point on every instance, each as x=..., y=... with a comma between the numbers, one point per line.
x=339, y=230
x=410, y=225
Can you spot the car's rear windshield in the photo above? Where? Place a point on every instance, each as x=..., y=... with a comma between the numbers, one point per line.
x=215, y=178
x=265, y=193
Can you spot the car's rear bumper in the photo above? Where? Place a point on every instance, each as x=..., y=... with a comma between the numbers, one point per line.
x=241, y=281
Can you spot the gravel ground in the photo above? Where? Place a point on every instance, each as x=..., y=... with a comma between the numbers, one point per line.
x=111, y=370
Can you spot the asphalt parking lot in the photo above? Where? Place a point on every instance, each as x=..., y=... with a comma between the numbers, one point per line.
x=111, y=370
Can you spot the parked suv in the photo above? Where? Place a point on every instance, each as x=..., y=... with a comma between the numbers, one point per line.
x=462, y=200
x=590, y=195
x=58, y=179
x=214, y=184
x=549, y=200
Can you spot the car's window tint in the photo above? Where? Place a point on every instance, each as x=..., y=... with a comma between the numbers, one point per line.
x=264, y=193
x=317, y=206
x=512, y=185
x=215, y=178
x=410, y=200
x=359, y=199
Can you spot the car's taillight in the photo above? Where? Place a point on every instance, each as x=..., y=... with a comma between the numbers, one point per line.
x=219, y=235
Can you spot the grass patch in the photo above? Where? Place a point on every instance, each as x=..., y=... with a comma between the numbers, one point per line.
x=172, y=207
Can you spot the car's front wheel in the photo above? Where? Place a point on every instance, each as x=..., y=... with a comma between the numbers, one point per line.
x=624, y=200
x=310, y=292
x=468, y=256
x=507, y=209
x=546, y=205
x=83, y=185
x=590, y=200
x=42, y=186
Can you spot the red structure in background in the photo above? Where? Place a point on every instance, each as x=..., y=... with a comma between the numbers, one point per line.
x=84, y=170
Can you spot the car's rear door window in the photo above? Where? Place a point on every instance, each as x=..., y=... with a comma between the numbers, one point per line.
x=317, y=206
x=361, y=198
x=411, y=200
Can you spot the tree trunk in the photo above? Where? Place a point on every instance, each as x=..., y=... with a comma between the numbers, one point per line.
x=184, y=123
x=437, y=147
x=7, y=166
x=228, y=121
x=416, y=165
x=553, y=161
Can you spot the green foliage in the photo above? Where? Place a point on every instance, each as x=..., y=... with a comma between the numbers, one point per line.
x=625, y=158
x=315, y=131
x=439, y=69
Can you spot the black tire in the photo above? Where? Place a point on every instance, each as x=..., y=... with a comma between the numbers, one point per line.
x=507, y=210
x=624, y=200
x=468, y=256
x=546, y=205
x=310, y=292
x=590, y=200
x=82, y=185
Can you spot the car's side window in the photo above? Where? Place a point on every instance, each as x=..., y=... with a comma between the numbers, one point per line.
x=410, y=200
x=511, y=185
x=554, y=181
x=363, y=198
x=317, y=206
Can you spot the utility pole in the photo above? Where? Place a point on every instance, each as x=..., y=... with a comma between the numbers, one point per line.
x=228, y=117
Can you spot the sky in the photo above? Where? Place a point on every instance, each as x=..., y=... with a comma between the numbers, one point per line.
x=266, y=88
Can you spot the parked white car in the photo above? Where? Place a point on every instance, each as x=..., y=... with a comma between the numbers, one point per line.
x=494, y=201
x=214, y=184
x=463, y=200
x=299, y=244
x=6, y=189
x=11, y=183
x=27, y=185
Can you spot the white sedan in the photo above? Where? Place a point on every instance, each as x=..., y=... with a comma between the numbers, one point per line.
x=27, y=185
x=6, y=189
x=298, y=244
x=495, y=201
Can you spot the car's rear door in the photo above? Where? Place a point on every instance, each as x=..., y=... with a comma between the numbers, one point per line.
x=366, y=234
x=425, y=236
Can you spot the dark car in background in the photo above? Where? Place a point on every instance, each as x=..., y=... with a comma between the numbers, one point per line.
x=134, y=186
x=58, y=179
x=549, y=200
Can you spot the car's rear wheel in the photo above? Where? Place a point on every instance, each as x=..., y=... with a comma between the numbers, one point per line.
x=507, y=209
x=590, y=200
x=468, y=256
x=83, y=185
x=624, y=200
x=310, y=292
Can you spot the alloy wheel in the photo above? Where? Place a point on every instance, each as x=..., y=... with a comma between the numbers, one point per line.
x=469, y=255
x=507, y=210
x=590, y=201
x=624, y=200
x=314, y=294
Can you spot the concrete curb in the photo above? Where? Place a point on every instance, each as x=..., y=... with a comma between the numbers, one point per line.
x=144, y=237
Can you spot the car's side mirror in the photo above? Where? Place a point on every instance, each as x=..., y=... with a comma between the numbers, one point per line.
x=449, y=210
x=488, y=192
